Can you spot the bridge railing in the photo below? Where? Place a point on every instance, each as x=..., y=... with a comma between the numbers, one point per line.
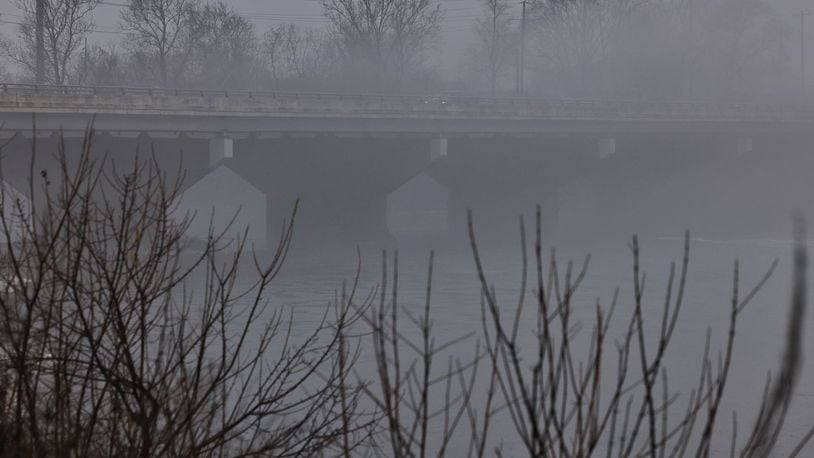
x=315, y=102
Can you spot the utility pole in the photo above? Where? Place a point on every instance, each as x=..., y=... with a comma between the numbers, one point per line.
x=521, y=79
x=803, y=15
x=40, y=42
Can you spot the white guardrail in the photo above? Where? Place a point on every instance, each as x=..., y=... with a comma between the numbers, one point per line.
x=107, y=98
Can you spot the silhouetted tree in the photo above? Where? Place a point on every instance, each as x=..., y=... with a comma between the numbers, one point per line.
x=496, y=41
x=225, y=48
x=743, y=46
x=384, y=37
x=571, y=40
x=102, y=66
x=160, y=36
x=66, y=23
x=293, y=53
x=115, y=340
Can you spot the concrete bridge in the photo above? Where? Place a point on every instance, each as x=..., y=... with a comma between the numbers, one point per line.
x=244, y=112
x=347, y=155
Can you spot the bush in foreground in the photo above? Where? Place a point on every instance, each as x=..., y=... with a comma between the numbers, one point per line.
x=116, y=340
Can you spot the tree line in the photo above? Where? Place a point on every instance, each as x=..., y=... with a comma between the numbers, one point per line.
x=733, y=49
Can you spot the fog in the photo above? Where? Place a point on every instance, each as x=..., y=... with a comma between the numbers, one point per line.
x=679, y=49
x=512, y=140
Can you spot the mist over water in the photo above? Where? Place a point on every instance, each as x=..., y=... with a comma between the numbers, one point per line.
x=307, y=284
x=608, y=117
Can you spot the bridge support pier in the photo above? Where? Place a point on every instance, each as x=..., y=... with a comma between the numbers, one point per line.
x=227, y=205
x=745, y=145
x=439, y=148
x=220, y=147
x=501, y=178
x=342, y=184
x=607, y=147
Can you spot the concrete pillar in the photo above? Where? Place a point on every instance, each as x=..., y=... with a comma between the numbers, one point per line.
x=607, y=147
x=745, y=145
x=220, y=147
x=418, y=209
x=225, y=202
x=438, y=148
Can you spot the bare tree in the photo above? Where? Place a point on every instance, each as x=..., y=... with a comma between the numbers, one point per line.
x=423, y=402
x=66, y=24
x=5, y=47
x=375, y=35
x=292, y=53
x=744, y=46
x=496, y=41
x=673, y=49
x=225, y=47
x=617, y=400
x=160, y=36
x=99, y=65
x=116, y=341
x=572, y=39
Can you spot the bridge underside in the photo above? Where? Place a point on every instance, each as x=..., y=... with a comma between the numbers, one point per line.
x=376, y=191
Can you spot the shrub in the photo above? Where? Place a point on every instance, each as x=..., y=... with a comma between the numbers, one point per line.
x=115, y=339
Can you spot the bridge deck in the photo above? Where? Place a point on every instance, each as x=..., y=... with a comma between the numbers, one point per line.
x=183, y=110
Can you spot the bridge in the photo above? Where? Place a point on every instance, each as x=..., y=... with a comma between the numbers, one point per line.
x=241, y=112
x=480, y=151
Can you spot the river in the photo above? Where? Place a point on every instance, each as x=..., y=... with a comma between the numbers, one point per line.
x=308, y=283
